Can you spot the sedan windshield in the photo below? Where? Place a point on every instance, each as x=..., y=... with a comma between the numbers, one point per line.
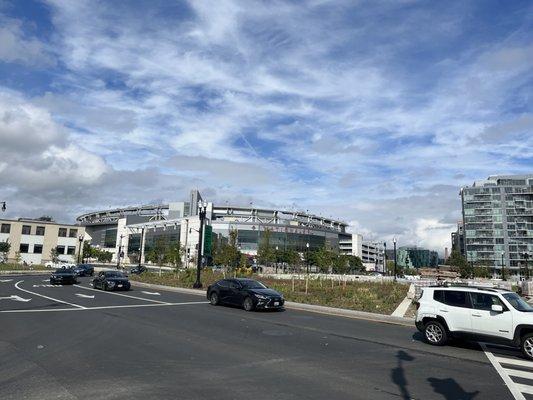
x=517, y=302
x=252, y=285
x=114, y=274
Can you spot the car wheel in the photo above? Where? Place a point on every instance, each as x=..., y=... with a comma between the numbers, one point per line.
x=527, y=346
x=248, y=304
x=213, y=298
x=435, y=333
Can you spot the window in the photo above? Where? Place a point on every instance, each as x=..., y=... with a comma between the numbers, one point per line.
x=451, y=298
x=38, y=249
x=483, y=301
x=62, y=232
x=223, y=283
x=24, y=248
x=73, y=233
x=39, y=231
x=60, y=249
x=26, y=229
x=6, y=228
x=71, y=250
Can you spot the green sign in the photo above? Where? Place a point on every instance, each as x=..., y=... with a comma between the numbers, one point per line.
x=208, y=240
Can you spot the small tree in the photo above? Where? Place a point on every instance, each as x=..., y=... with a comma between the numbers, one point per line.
x=54, y=255
x=355, y=263
x=457, y=260
x=4, y=250
x=265, y=253
x=174, y=255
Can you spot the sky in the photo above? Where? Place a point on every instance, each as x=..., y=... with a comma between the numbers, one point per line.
x=371, y=112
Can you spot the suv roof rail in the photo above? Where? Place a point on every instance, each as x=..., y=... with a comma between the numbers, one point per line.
x=466, y=286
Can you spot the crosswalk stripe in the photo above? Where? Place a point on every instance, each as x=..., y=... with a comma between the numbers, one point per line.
x=519, y=373
x=505, y=360
x=524, y=388
x=512, y=386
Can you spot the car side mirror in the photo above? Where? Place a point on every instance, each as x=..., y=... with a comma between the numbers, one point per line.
x=497, y=308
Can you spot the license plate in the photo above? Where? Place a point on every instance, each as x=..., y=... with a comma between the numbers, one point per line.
x=276, y=303
x=120, y=285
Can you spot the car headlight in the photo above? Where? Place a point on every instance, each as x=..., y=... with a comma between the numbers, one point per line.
x=111, y=283
x=260, y=296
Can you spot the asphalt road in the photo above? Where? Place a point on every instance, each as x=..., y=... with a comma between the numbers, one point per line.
x=66, y=344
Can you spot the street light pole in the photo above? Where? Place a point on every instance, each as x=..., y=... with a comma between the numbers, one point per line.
x=307, y=257
x=80, y=238
x=3, y=208
x=503, y=267
x=141, y=248
x=202, y=208
x=526, y=258
x=384, y=258
x=119, y=255
x=395, y=259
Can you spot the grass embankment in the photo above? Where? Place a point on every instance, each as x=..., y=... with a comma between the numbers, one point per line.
x=20, y=267
x=377, y=297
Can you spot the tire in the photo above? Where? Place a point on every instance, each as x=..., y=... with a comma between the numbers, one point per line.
x=213, y=298
x=248, y=304
x=526, y=345
x=435, y=333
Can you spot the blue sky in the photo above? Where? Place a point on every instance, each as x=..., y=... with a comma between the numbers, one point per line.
x=373, y=112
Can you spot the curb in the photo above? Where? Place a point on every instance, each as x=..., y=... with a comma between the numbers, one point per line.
x=339, y=312
x=7, y=273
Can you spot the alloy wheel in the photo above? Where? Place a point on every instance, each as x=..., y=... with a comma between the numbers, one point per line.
x=434, y=333
x=528, y=347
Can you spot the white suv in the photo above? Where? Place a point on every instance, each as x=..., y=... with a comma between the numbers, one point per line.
x=489, y=315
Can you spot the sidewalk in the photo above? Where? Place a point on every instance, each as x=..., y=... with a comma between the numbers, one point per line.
x=339, y=312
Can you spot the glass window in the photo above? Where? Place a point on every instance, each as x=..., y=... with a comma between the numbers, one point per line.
x=60, y=249
x=24, y=248
x=62, y=232
x=484, y=301
x=456, y=298
x=71, y=250
x=39, y=231
x=38, y=249
x=26, y=229
x=224, y=284
x=517, y=302
x=73, y=233
x=6, y=228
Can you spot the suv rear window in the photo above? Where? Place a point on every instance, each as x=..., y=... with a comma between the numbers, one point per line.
x=454, y=298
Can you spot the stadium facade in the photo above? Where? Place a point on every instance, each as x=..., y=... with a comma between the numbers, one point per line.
x=131, y=232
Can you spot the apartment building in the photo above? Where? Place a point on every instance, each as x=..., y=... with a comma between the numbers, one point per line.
x=32, y=240
x=372, y=253
x=498, y=221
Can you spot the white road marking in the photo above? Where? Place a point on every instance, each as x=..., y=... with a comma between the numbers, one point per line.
x=516, y=389
x=85, y=296
x=46, y=297
x=49, y=285
x=104, y=307
x=5, y=280
x=123, y=295
x=151, y=293
x=519, y=373
x=512, y=361
x=15, y=298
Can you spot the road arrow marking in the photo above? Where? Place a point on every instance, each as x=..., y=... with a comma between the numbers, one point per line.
x=15, y=298
x=85, y=296
x=151, y=293
x=5, y=280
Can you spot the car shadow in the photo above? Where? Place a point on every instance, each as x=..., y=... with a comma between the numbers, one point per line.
x=450, y=389
x=457, y=343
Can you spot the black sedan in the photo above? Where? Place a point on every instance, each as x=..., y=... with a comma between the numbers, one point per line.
x=247, y=293
x=138, y=269
x=84, y=270
x=111, y=280
x=63, y=276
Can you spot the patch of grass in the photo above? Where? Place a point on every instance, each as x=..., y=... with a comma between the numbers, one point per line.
x=21, y=267
x=376, y=297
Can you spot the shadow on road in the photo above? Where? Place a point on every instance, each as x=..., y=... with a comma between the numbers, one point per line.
x=398, y=375
x=460, y=344
x=450, y=389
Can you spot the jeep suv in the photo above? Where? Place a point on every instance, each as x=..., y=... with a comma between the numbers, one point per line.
x=488, y=315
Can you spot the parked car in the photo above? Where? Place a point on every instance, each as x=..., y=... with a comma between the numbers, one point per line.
x=111, y=280
x=84, y=270
x=138, y=269
x=486, y=314
x=247, y=293
x=63, y=276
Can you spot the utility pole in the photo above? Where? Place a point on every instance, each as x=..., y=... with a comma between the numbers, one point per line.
x=395, y=259
x=202, y=209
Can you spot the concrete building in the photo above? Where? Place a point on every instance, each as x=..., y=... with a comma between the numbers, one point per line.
x=121, y=231
x=498, y=221
x=458, y=239
x=371, y=252
x=34, y=239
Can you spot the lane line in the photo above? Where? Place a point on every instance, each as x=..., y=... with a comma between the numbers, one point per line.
x=104, y=307
x=123, y=295
x=513, y=387
x=519, y=373
x=46, y=297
